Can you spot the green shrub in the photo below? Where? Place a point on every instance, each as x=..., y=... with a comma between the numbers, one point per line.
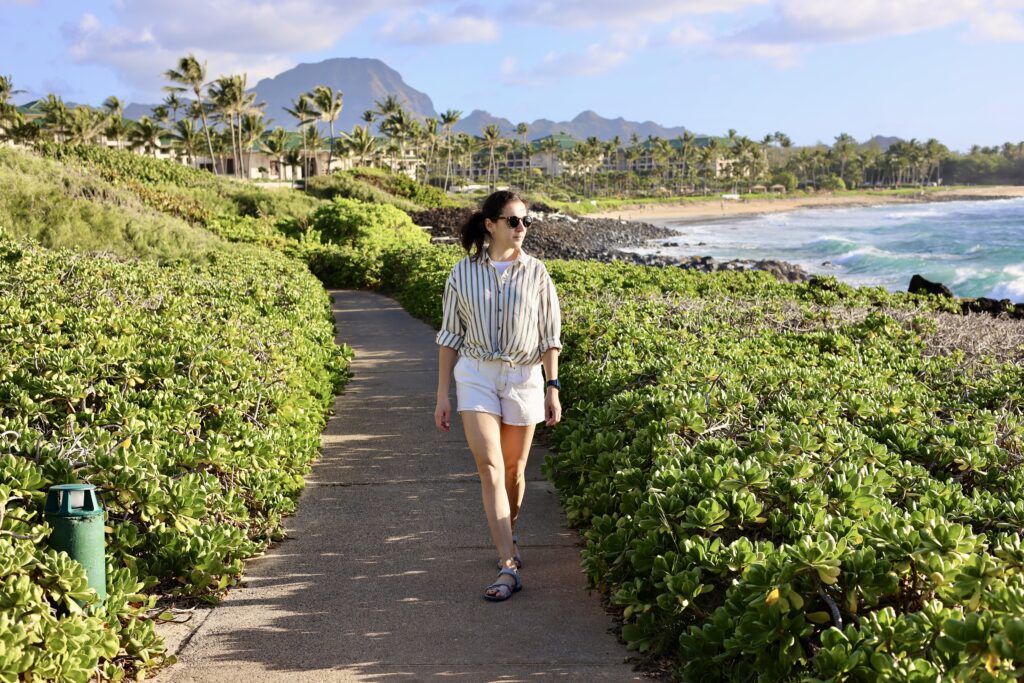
x=833, y=182
x=786, y=179
x=196, y=196
x=783, y=482
x=282, y=204
x=347, y=239
x=65, y=206
x=345, y=185
x=349, y=221
x=192, y=396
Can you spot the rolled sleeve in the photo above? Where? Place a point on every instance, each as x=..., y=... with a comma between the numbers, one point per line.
x=550, y=317
x=453, y=331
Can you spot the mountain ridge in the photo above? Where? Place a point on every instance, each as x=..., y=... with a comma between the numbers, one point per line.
x=364, y=81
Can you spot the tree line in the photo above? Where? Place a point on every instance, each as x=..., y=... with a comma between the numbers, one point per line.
x=221, y=120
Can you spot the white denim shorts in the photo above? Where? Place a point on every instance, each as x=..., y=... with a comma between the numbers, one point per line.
x=513, y=392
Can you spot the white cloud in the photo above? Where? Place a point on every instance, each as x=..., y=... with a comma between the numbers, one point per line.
x=779, y=55
x=997, y=26
x=595, y=59
x=139, y=58
x=797, y=25
x=589, y=13
x=431, y=28
x=827, y=21
x=685, y=35
x=256, y=37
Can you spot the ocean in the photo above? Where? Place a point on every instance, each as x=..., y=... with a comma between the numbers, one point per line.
x=976, y=248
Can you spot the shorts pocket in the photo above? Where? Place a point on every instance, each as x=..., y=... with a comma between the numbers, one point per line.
x=531, y=377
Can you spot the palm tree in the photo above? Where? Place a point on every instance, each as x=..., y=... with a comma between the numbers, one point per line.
x=661, y=153
x=843, y=150
x=161, y=115
x=276, y=145
x=448, y=119
x=522, y=129
x=361, y=143
x=145, y=134
x=686, y=141
x=85, y=125
x=251, y=127
x=113, y=106
x=549, y=147
x=765, y=143
x=7, y=90
x=328, y=105
x=173, y=103
x=312, y=142
x=935, y=152
x=387, y=106
x=467, y=147
x=55, y=116
x=232, y=102
x=117, y=129
x=430, y=141
x=304, y=113
x=293, y=159
x=492, y=140
x=8, y=112
x=713, y=153
x=191, y=74
x=368, y=117
x=398, y=126
x=187, y=139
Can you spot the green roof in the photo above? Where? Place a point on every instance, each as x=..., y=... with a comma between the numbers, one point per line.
x=564, y=141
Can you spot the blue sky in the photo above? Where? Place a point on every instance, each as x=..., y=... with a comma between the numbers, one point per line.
x=949, y=69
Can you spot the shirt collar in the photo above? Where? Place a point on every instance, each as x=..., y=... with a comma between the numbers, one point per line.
x=523, y=257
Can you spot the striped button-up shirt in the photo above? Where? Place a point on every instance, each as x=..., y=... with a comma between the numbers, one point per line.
x=512, y=317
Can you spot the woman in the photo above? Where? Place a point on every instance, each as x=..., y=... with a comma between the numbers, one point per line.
x=501, y=323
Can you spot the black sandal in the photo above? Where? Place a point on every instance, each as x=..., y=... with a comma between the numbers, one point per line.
x=504, y=590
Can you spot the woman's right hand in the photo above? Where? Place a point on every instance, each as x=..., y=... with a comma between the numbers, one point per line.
x=443, y=414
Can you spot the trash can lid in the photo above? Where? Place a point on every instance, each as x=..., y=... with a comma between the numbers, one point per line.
x=72, y=500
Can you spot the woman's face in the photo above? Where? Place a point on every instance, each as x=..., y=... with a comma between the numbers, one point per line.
x=503, y=235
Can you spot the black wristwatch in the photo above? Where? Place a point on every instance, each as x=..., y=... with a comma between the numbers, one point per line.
x=554, y=383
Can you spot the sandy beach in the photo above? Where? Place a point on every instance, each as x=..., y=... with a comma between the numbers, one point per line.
x=726, y=207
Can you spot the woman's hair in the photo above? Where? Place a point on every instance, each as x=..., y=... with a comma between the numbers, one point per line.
x=473, y=233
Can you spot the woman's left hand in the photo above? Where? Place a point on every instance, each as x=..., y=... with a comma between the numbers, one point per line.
x=552, y=408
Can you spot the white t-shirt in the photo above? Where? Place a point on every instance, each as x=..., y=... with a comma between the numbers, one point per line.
x=501, y=266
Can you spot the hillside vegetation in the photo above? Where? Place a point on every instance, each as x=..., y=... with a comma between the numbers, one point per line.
x=775, y=481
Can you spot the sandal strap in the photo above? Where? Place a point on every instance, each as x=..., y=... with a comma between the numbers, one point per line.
x=497, y=587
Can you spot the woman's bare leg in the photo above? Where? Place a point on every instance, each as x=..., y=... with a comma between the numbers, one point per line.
x=515, y=449
x=483, y=433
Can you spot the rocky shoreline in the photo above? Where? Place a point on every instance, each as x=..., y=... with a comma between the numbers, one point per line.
x=556, y=235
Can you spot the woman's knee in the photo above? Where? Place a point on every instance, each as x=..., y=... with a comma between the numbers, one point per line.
x=491, y=472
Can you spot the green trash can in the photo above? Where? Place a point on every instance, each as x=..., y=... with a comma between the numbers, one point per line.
x=77, y=520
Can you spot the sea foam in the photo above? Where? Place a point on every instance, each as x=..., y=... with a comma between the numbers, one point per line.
x=1010, y=289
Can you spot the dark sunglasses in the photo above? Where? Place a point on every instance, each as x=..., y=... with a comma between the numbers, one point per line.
x=514, y=221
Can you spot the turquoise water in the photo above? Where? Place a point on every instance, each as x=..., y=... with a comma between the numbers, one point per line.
x=976, y=248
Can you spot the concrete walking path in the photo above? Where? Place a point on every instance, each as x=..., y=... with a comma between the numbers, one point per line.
x=382, y=574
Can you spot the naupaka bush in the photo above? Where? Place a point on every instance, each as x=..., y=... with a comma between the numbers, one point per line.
x=192, y=396
x=782, y=482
